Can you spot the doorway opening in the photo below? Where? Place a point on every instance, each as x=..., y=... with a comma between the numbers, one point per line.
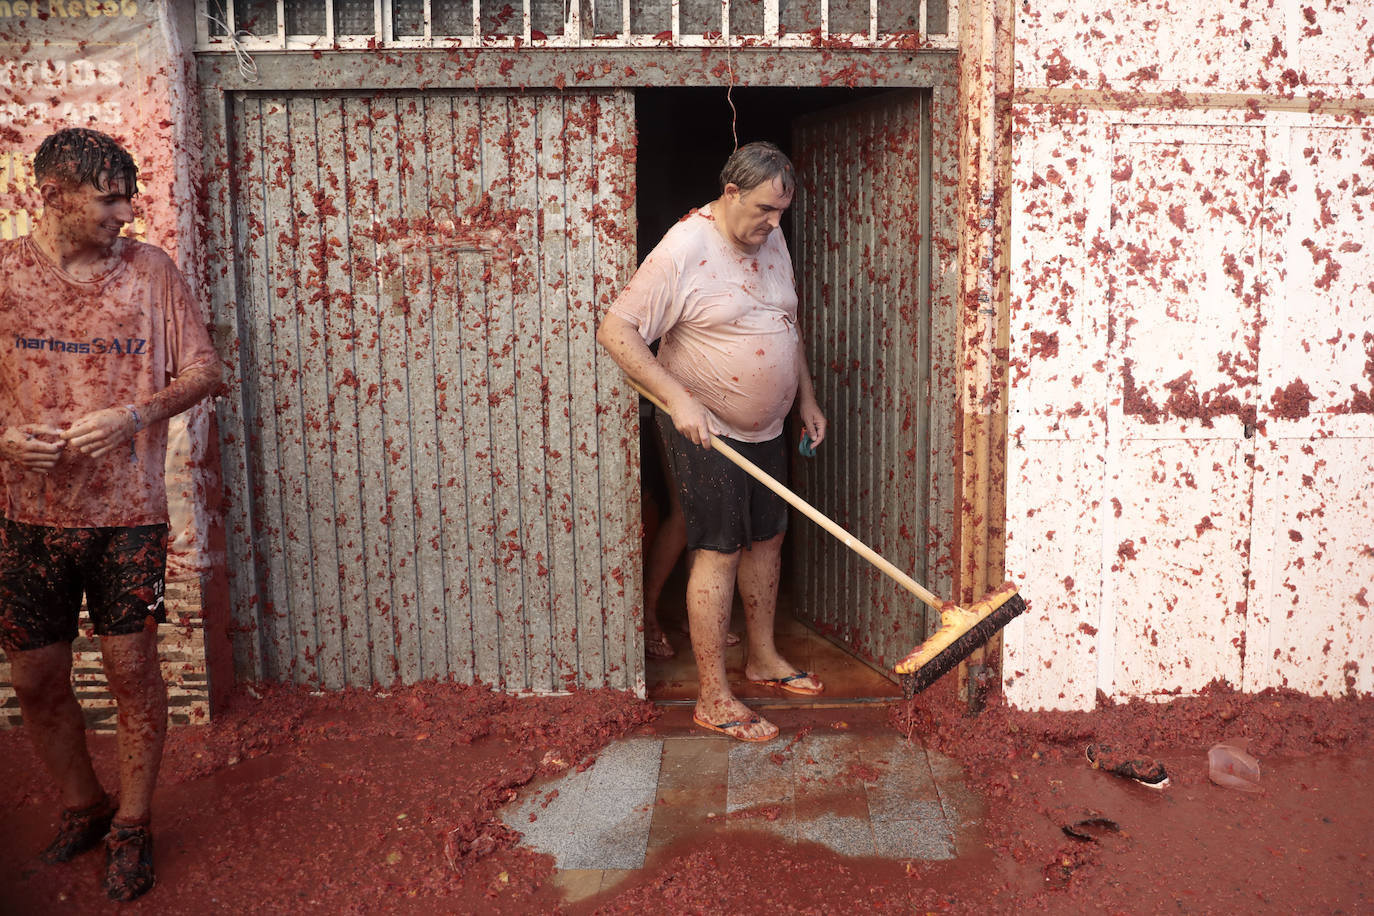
x=684, y=137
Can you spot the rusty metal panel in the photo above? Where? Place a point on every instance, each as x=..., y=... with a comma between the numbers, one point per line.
x=862, y=218
x=428, y=489
x=1312, y=628
x=587, y=68
x=614, y=219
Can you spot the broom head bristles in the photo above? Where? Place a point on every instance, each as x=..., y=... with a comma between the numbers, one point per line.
x=961, y=631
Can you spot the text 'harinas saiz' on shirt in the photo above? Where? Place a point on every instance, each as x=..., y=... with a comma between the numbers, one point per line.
x=69, y=347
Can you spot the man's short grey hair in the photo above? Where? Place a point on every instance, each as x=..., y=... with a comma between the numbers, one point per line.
x=756, y=163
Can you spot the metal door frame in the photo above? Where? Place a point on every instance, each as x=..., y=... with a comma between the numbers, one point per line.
x=220, y=77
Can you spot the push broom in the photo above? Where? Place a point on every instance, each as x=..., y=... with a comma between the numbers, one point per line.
x=961, y=630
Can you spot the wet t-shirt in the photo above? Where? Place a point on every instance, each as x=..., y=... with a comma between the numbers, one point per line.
x=728, y=322
x=69, y=347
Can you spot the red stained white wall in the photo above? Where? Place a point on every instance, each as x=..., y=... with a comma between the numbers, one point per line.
x=1191, y=404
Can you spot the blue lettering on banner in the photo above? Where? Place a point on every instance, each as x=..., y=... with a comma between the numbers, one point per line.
x=118, y=346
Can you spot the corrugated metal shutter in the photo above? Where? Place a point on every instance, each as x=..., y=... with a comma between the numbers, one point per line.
x=861, y=242
x=421, y=482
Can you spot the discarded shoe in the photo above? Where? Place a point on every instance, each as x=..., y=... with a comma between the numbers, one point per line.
x=81, y=829
x=1145, y=770
x=1089, y=829
x=129, y=862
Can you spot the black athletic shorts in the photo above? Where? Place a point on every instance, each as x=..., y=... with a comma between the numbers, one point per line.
x=44, y=572
x=725, y=508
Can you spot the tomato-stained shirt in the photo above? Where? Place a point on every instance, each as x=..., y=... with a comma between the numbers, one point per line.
x=728, y=321
x=69, y=347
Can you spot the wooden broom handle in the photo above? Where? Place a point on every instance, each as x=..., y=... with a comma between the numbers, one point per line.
x=811, y=512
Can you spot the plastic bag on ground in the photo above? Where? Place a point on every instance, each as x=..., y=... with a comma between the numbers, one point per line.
x=1233, y=768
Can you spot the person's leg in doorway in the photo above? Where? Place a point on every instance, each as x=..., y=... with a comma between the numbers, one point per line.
x=667, y=546
x=759, y=570
x=710, y=594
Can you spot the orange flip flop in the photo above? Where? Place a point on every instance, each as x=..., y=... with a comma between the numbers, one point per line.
x=785, y=683
x=724, y=728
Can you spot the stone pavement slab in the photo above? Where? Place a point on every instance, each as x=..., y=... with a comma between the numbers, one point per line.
x=875, y=795
x=598, y=818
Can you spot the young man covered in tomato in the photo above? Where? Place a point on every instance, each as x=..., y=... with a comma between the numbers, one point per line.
x=101, y=341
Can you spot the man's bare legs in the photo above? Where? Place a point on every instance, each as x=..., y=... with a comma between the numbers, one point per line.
x=57, y=728
x=135, y=679
x=710, y=592
x=759, y=570
x=668, y=544
x=53, y=718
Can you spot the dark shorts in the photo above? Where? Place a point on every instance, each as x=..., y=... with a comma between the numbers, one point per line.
x=725, y=508
x=44, y=572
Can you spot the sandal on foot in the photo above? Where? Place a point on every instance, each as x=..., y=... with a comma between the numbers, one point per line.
x=786, y=683
x=129, y=862
x=81, y=829
x=725, y=728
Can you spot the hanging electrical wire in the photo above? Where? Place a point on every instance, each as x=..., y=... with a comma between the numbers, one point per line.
x=248, y=68
x=729, y=95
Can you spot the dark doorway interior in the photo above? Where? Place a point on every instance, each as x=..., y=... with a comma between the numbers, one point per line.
x=684, y=137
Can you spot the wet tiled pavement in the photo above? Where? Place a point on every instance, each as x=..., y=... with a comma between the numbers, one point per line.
x=860, y=794
x=836, y=775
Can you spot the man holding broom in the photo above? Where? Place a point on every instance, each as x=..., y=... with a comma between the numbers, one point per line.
x=719, y=291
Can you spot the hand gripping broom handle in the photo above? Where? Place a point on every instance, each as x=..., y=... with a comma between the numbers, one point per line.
x=811, y=512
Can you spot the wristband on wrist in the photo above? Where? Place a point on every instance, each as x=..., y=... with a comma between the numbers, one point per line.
x=133, y=412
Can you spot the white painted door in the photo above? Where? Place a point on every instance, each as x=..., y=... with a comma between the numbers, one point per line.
x=1185, y=283
x=1312, y=578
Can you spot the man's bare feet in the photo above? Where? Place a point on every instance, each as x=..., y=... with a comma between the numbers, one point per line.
x=656, y=645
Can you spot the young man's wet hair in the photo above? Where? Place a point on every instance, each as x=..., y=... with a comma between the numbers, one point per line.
x=80, y=156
